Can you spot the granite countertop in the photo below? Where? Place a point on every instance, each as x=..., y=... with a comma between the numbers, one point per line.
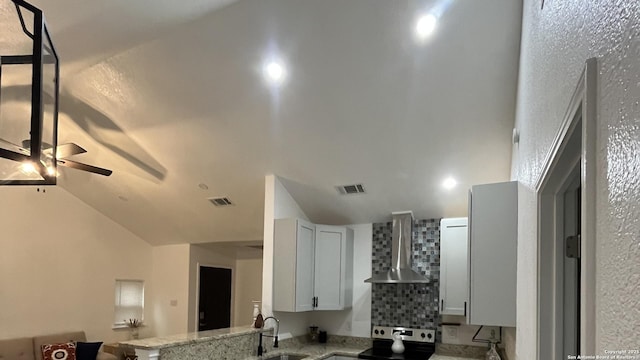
x=318, y=352
x=315, y=352
x=446, y=357
x=189, y=338
x=350, y=348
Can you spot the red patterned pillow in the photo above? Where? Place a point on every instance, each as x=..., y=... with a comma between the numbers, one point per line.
x=64, y=351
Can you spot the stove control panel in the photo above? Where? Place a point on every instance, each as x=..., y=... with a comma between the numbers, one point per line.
x=408, y=334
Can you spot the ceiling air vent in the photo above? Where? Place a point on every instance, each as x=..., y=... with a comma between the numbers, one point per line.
x=351, y=189
x=220, y=201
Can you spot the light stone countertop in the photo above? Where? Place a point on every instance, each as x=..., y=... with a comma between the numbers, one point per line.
x=318, y=352
x=315, y=352
x=446, y=357
x=189, y=338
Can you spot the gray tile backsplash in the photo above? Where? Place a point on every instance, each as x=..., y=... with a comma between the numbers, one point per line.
x=407, y=305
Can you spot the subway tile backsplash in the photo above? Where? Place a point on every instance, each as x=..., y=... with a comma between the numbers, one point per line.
x=407, y=305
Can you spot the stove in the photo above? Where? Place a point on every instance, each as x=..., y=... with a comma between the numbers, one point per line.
x=419, y=344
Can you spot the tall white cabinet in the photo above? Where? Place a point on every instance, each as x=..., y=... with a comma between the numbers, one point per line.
x=454, y=270
x=313, y=266
x=493, y=231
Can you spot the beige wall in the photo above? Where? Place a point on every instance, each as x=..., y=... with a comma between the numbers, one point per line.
x=248, y=287
x=556, y=42
x=59, y=259
x=171, y=290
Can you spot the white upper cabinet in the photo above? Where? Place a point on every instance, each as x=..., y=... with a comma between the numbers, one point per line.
x=493, y=225
x=333, y=280
x=454, y=284
x=313, y=266
x=293, y=254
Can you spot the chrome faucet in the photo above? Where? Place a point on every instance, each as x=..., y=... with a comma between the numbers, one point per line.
x=275, y=336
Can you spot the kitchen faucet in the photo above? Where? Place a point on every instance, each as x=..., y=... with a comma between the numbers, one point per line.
x=275, y=337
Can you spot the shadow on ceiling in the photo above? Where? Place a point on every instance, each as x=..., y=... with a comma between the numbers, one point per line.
x=99, y=127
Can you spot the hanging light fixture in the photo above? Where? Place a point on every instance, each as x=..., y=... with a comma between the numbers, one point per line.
x=29, y=91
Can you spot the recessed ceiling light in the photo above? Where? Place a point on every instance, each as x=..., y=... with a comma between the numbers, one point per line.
x=203, y=186
x=425, y=26
x=275, y=72
x=449, y=183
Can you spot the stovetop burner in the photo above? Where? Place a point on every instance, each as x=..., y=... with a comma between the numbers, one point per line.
x=419, y=344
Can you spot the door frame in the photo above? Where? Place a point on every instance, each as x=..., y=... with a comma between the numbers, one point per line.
x=579, y=124
x=197, y=294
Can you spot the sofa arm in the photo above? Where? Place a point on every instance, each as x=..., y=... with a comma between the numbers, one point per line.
x=106, y=356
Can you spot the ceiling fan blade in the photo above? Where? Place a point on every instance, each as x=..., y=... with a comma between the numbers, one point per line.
x=85, y=167
x=66, y=150
x=62, y=151
x=15, y=147
x=10, y=155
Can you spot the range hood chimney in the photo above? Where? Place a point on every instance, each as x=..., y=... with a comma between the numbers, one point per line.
x=401, y=271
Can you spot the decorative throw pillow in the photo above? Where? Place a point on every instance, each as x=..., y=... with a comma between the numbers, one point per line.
x=64, y=351
x=87, y=350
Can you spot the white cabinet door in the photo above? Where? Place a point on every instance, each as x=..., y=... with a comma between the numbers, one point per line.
x=304, y=266
x=492, y=254
x=454, y=284
x=333, y=267
x=293, y=255
x=312, y=266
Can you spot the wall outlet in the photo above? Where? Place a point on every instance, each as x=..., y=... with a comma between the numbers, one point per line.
x=173, y=302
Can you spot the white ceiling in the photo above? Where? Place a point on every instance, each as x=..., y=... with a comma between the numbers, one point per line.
x=170, y=94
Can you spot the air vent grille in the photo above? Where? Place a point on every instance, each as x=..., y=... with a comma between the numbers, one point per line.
x=351, y=189
x=220, y=201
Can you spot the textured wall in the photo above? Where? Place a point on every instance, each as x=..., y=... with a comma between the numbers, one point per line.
x=556, y=41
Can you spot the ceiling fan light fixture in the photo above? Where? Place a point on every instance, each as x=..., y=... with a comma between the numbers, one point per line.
x=51, y=171
x=42, y=69
x=28, y=168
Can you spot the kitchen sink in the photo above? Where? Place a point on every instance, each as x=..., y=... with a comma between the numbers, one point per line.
x=286, y=357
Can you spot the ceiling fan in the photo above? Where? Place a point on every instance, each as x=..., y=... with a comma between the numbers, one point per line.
x=69, y=149
x=62, y=153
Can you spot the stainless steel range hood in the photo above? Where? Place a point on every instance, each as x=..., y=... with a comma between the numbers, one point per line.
x=401, y=271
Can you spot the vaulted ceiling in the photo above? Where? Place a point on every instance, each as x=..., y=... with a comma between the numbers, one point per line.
x=171, y=96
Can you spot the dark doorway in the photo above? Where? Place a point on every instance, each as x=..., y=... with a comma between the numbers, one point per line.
x=214, y=309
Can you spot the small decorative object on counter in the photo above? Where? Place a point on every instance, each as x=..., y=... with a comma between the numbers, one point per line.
x=313, y=333
x=256, y=310
x=133, y=325
x=397, y=347
x=259, y=321
x=492, y=354
x=322, y=337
